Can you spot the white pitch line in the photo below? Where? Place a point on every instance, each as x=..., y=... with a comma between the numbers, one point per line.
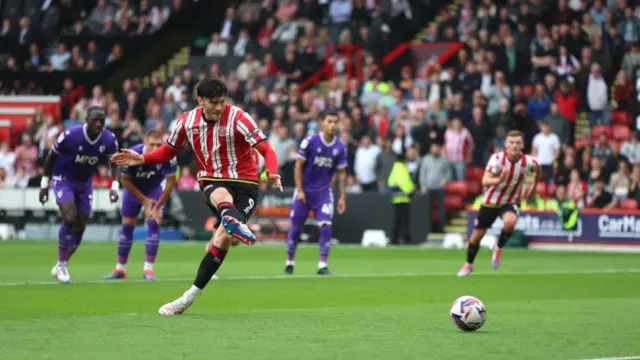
x=635, y=357
x=348, y=276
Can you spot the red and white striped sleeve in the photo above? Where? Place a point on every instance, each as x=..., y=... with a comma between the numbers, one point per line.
x=178, y=136
x=494, y=165
x=249, y=129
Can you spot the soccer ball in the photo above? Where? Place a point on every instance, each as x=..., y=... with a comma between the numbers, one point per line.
x=468, y=313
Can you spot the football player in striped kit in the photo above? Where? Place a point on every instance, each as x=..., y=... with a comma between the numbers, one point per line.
x=504, y=183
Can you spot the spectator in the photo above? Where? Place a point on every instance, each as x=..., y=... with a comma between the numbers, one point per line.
x=539, y=105
x=631, y=149
x=98, y=16
x=384, y=162
x=7, y=158
x=546, y=149
x=364, y=163
x=597, y=97
x=457, y=146
x=217, y=48
x=176, y=89
x=634, y=188
x=102, y=180
x=481, y=132
x=599, y=197
x=26, y=154
x=19, y=181
x=46, y=135
x=434, y=173
x=623, y=93
x=620, y=181
x=558, y=124
x=3, y=179
x=577, y=189
x=567, y=101
x=60, y=60
x=495, y=93
x=247, y=67
x=73, y=119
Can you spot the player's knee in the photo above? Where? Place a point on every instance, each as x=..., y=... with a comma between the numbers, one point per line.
x=222, y=241
x=79, y=227
x=220, y=195
x=70, y=219
x=509, y=221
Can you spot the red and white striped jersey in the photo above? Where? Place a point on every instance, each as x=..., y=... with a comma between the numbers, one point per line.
x=222, y=149
x=509, y=191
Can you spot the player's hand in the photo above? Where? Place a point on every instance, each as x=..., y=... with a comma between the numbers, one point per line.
x=502, y=175
x=113, y=196
x=148, y=206
x=529, y=192
x=155, y=214
x=127, y=157
x=274, y=181
x=300, y=196
x=44, y=195
x=342, y=205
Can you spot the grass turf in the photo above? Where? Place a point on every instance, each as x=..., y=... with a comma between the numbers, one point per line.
x=388, y=304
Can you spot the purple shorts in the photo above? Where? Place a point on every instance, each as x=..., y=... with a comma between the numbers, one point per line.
x=321, y=202
x=80, y=193
x=131, y=205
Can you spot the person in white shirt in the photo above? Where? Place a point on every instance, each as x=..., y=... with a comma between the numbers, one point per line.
x=631, y=149
x=217, y=47
x=176, y=88
x=7, y=158
x=597, y=98
x=546, y=148
x=365, y=164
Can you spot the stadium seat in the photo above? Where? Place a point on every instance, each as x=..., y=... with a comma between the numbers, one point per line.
x=621, y=132
x=629, y=204
x=453, y=203
x=620, y=118
x=473, y=187
x=475, y=173
x=456, y=188
x=597, y=130
x=580, y=143
x=551, y=189
x=542, y=190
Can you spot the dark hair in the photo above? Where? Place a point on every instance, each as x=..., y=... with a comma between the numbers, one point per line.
x=92, y=109
x=329, y=113
x=153, y=134
x=211, y=88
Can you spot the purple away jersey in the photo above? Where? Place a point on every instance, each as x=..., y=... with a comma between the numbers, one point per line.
x=322, y=161
x=148, y=179
x=78, y=157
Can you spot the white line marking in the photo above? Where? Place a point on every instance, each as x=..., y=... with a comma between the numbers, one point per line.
x=635, y=357
x=348, y=276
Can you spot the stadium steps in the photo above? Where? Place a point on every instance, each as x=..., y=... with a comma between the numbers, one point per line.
x=425, y=30
x=165, y=71
x=582, y=125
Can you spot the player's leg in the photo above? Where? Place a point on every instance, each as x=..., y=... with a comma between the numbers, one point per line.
x=66, y=204
x=231, y=218
x=322, y=205
x=83, y=196
x=152, y=241
x=485, y=218
x=509, y=218
x=297, y=217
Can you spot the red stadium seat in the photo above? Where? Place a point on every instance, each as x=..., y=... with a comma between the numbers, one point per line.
x=542, y=190
x=580, y=143
x=629, y=204
x=620, y=118
x=552, y=189
x=621, y=132
x=456, y=188
x=453, y=203
x=474, y=187
x=596, y=131
x=475, y=173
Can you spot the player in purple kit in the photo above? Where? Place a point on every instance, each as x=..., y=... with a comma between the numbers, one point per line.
x=72, y=161
x=320, y=157
x=143, y=189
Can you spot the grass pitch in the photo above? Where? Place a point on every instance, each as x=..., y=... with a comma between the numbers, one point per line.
x=382, y=304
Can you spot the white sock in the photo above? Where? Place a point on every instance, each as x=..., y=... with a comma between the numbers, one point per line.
x=121, y=267
x=148, y=266
x=322, y=264
x=61, y=264
x=290, y=262
x=193, y=291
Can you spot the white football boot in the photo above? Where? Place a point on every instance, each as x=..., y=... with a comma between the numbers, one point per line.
x=61, y=273
x=178, y=306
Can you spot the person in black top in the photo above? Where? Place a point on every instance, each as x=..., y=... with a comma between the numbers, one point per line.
x=600, y=198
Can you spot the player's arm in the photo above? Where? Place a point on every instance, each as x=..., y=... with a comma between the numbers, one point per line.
x=246, y=126
x=131, y=188
x=171, y=182
x=171, y=149
x=115, y=174
x=49, y=161
x=492, y=179
x=297, y=173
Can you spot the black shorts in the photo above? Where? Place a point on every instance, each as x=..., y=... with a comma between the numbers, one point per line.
x=245, y=195
x=488, y=214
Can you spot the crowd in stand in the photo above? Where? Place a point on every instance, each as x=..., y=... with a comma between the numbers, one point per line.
x=532, y=66
x=30, y=38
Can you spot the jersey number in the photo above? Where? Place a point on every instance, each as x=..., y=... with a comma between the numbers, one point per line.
x=248, y=208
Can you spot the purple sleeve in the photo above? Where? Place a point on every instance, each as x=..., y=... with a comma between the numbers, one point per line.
x=342, y=159
x=112, y=148
x=171, y=167
x=61, y=145
x=303, y=152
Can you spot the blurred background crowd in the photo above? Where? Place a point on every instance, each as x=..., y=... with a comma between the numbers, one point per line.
x=563, y=72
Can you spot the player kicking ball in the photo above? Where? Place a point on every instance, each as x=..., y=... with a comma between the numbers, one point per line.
x=222, y=138
x=320, y=157
x=503, y=180
x=72, y=161
x=143, y=189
